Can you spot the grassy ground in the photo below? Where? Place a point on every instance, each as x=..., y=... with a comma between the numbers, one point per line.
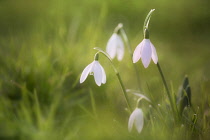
x=44, y=46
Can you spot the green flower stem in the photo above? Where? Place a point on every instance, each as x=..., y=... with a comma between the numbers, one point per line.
x=124, y=91
x=167, y=90
x=125, y=38
x=137, y=103
x=118, y=77
x=147, y=19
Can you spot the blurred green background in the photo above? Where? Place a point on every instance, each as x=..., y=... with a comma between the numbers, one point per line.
x=45, y=45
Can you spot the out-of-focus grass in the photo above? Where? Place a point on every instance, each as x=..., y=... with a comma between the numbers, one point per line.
x=44, y=47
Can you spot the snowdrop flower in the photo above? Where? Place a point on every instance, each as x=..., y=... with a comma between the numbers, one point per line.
x=136, y=118
x=96, y=70
x=115, y=47
x=145, y=50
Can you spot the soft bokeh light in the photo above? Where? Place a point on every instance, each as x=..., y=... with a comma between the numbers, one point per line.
x=45, y=45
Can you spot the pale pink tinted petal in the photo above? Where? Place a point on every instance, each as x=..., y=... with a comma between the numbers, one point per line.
x=97, y=72
x=139, y=120
x=112, y=46
x=154, y=54
x=103, y=75
x=137, y=53
x=120, y=48
x=131, y=120
x=146, y=53
x=85, y=72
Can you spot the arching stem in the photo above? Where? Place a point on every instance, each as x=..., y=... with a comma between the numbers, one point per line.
x=118, y=77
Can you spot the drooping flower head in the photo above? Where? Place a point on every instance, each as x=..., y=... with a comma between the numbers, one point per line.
x=115, y=45
x=137, y=119
x=96, y=70
x=145, y=50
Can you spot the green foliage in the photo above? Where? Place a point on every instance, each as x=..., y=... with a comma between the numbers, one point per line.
x=44, y=46
x=184, y=95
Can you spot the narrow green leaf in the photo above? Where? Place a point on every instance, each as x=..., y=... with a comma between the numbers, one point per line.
x=184, y=95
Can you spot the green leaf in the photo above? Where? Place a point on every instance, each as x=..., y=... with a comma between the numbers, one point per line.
x=184, y=95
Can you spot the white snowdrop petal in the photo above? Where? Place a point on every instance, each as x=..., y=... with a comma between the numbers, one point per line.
x=111, y=49
x=154, y=54
x=112, y=46
x=97, y=72
x=85, y=72
x=137, y=53
x=103, y=75
x=120, y=53
x=131, y=120
x=139, y=120
x=146, y=53
x=120, y=48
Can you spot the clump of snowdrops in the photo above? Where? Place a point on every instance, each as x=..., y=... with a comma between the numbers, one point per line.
x=145, y=52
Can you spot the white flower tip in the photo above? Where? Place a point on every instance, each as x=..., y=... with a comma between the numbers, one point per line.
x=154, y=54
x=139, y=120
x=83, y=77
x=85, y=73
x=134, y=60
x=137, y=52
x=120, y=56
x=81, y=80
x=146, y=63
x=155, y=62
x=97, y=73
x=130, y=126
x=99, y=84
x=154, y=57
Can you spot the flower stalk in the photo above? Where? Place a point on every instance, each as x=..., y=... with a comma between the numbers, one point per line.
x=147, y=19
x=118, y=77
x=167, y=90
